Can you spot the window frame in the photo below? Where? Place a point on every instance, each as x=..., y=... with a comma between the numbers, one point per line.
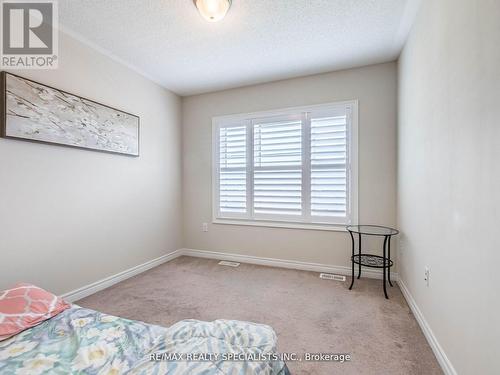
x=248, y=119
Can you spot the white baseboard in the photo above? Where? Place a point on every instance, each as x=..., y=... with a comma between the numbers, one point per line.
x=441, y=356
x=281, y=263
x=97, y=286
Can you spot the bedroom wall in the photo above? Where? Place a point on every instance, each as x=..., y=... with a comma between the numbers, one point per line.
x=449, y=177
x=374, y=86
x=70, y=217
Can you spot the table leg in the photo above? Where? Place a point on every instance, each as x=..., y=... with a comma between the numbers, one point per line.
x=384, y=269
x=389, y=257
x=352, y=261
x=359, y=252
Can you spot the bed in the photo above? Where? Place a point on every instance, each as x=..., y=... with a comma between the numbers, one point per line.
x=84, y=341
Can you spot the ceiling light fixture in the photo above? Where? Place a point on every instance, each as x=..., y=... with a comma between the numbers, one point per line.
x=213, y=10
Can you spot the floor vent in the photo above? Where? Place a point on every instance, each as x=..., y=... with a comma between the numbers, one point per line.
x=229, y=264
x=331, y=276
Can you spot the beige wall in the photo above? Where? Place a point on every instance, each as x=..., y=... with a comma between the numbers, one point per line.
x=70, y=217
x=374, y=86
x=449, y=176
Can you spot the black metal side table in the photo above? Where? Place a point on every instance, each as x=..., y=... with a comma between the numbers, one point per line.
x=371, y=260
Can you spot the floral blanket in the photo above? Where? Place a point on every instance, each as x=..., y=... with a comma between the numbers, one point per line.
x=83, y=341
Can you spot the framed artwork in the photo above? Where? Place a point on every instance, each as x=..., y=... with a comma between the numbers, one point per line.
x=32, y=111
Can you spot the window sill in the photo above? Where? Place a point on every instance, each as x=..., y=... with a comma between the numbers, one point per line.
x=281, y=224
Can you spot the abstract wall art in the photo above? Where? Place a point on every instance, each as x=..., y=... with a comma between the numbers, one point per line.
x=36, y=112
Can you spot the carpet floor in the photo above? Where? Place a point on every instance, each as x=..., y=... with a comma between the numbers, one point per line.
x=308, y=314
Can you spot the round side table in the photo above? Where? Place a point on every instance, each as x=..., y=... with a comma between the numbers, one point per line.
x=371, y=260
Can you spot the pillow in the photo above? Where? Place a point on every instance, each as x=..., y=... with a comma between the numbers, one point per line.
x=25, y=306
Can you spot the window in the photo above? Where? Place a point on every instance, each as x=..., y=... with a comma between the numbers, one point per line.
x=294, y=167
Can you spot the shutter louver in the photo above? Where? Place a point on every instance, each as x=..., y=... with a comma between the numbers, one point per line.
x=329, y=167
x=278, y=168
x=232, y=167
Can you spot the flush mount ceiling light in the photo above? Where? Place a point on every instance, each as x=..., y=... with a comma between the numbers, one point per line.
x=213, y=10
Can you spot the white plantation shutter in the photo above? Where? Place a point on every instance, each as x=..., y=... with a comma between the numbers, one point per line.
x=232, y=170
x=294, y=166
x=329, y=167
x=277, y=180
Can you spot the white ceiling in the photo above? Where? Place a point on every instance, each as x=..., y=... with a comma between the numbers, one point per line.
x=258, y=41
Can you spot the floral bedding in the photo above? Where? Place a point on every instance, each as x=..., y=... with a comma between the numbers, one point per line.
x=83, y=341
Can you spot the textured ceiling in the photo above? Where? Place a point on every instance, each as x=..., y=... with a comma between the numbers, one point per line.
x=258, y=41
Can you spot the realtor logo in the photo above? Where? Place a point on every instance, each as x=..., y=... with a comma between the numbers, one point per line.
x=29, y=34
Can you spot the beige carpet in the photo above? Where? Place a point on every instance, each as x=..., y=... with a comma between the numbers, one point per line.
x=308, y=314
